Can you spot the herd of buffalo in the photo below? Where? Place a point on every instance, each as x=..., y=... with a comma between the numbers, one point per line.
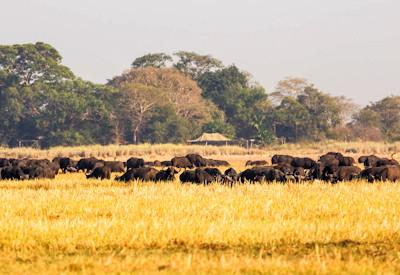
x=332, y=167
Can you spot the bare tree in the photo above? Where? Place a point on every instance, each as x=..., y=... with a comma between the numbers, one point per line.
x=137, y=102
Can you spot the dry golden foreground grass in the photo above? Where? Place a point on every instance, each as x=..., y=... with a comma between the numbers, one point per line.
x=71, y=224
x=74, y=225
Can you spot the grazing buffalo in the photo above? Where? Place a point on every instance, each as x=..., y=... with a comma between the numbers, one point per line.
x=299, y=174
x=87, y=164
x=262, y=173
x=204, y=177
x=115, y=166
x=344, y=173
x=372, y=174
x=135, y=163
x=167, y=175
x=230, y=172
x=4, y=162
x=39, y=172
x=65, y=163
x=278, y=159
x=386, y=162
x=346, y=161
x=182, y=162
x=201, y=176
x=13, y=173
x=197, y=160
x=305, y=163
x=216, y=163
x=256, y=163
x=286, y=168
x=390, y=173
x=141, y=173
x=188, y=176
x=369, y=161
x=103, y=172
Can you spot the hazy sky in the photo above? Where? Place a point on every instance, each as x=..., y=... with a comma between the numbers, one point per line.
x=346, y=47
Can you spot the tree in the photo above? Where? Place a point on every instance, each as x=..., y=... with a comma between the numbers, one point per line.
x=25, y=64
x=218, y=124
x=156, y=60
x=325, y=112
x=291, y=119
x=137, y=103
x=246, y=106
x=165, y=126
x=195, y=65
x=289, y=87
x=180, y=90
x=383, y=114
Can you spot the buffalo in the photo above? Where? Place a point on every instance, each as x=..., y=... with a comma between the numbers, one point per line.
x=115, y=166
x=278, y=159
x=182, y=162
x=305, y=163
x=197, y=160
x=13, y=173
x=135, y=163
x=102, y=172
x=166, y=175
x=141, y=173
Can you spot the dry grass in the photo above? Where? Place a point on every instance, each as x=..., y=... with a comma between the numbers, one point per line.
x=75, y=225
x=72, y=225
x=163, y=151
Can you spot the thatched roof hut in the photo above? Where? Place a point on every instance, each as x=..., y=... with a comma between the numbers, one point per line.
x=211, y=139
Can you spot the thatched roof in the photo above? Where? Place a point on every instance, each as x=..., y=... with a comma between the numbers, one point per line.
x=210, y=137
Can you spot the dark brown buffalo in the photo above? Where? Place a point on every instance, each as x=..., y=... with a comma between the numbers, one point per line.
x=5, y=162
x=368, y=161
x=182, y=162
x=87, y=164
x=142, y=173
x=197, y=160
x=346, y=161
x=345, y=173
x=372, y=174
x=13, y=173
x=262, y=173
x=390, y=173
x=277, y=159
x=135, y=163
x=167, y=174
x=188, y=176
x=230, y=172
x=102, y=173
x=115, y=166
x=216, y=163
x=386, y=162
x=305, y=163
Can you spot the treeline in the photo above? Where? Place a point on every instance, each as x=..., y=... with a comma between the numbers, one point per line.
x=170, y=99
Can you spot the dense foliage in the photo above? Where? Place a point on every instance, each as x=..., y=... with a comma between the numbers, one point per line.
x=171, y=98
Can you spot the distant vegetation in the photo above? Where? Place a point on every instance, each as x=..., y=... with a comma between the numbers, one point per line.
x=171, y=98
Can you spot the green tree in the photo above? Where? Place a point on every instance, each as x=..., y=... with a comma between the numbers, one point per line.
x=195, y=65
x=25, y=64
x=383, y=114
x=156, y=60
x=246, y=106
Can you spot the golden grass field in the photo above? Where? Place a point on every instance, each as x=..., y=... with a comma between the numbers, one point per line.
x=74, y=225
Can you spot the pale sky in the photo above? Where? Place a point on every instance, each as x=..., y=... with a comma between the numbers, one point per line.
x=345, y=47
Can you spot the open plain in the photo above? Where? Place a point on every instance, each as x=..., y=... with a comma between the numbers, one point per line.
x=72, y=224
